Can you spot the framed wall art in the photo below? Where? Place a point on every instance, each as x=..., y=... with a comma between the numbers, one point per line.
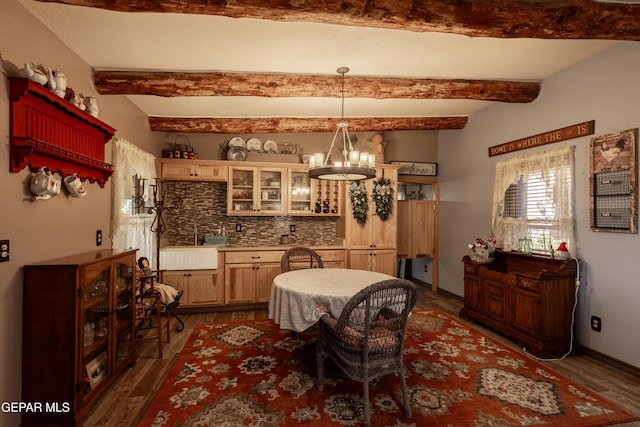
x=97, y=370
x=613, y=182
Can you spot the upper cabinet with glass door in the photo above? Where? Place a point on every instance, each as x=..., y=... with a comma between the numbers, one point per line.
x=256, y=191
x=313, y=197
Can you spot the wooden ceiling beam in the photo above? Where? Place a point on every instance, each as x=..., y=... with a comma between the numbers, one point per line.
x=273, y=85
x=568, y=19
x=300, y=125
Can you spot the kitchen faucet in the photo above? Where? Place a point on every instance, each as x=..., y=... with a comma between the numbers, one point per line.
x=195, y=227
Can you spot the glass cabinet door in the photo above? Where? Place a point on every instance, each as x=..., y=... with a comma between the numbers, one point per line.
x=241, y=191
x=95, y=332
x=300, y=192
x=123, y=317
x=271, y=195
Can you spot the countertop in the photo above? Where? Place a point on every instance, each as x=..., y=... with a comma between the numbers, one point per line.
x=229, y=248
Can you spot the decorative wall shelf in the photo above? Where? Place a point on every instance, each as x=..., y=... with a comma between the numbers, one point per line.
x=47, y=131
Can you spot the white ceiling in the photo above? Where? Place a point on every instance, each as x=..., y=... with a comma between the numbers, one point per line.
x=172, y=42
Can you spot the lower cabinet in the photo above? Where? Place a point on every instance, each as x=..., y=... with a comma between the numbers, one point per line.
x=380, y=260
x=248, y=276
x=200, y=287
x=528, y=298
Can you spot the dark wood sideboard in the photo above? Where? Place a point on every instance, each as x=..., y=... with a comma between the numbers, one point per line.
x=528, y=298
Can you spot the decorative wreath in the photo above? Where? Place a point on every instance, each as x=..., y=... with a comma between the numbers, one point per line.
x=358, y=197
x=383, y=197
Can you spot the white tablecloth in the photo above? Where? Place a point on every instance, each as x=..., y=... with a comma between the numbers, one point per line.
x=300, y=297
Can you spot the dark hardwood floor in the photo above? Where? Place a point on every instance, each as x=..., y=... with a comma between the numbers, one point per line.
x=125, y=402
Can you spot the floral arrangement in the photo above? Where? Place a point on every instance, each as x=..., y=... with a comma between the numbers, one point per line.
x=358, y=197
x=383, y=197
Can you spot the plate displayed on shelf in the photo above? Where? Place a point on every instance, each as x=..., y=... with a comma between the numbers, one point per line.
x=271, y=147
x=254, y=145
x=237, y=154
x=236, y=141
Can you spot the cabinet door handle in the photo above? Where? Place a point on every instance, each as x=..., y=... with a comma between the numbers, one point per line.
x=527, y=284
x=255, y=257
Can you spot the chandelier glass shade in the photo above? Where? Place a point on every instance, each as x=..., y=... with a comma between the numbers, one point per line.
x=354, y=166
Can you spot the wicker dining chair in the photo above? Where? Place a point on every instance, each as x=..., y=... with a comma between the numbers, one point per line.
x=367, y=340
x=299, y=258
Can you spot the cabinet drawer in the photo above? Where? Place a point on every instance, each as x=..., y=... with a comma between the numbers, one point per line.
x=470, y=269
x=253, y=256
x=528, y=284
x=331, y=255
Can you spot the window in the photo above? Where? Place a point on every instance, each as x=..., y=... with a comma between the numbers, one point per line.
x=533, y=198
x=129, y=229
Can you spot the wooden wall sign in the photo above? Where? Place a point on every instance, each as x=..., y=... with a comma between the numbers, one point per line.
x=557, y=135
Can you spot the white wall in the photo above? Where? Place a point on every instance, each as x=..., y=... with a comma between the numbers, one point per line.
x=605, y=88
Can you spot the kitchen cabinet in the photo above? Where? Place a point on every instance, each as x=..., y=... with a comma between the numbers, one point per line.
x=80, y=310
x=377, y=239
x=313, y=197
x=332, y=258
x=380, y=260
x=528, y=298
x=248, y=275
x=200, y=287
x=192, y=170
x=257, y=191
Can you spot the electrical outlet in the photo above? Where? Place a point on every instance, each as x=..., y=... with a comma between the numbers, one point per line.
x=98, y=237
x=426, y=268
x=4, y=250
x=238, y=228
x=292, y=228
x=596, y=323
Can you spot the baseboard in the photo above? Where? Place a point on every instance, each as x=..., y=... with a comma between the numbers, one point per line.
x=428, y=286
x=608, y=360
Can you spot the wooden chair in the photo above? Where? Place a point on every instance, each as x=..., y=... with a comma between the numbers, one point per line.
x=149, y=310
x=300, y=257
x=152, y=312
x=367, y=340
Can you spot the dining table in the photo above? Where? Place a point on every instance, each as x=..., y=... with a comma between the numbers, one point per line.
x=299, y=298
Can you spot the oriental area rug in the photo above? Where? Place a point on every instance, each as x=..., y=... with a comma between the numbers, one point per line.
x=251, y=374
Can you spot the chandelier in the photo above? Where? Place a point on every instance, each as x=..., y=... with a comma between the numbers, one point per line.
x=354, y=167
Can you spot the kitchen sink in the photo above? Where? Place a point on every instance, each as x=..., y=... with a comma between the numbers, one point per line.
x=189, y=258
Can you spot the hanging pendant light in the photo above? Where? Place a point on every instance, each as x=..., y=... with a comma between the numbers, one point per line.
x=354, y=167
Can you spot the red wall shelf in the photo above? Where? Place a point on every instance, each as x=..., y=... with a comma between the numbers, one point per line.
x=47, y=131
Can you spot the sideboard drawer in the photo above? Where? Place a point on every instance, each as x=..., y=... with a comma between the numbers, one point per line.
x=528, y=284
x=470, y=269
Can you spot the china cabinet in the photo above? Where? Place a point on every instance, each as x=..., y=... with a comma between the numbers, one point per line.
x=192, y=170
x=200, y=287
x=256, y=191
x=376, y=241
x=528, y=298
x=80, y=310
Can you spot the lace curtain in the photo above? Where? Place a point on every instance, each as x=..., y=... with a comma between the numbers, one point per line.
x=131, y=231
x=553, y=172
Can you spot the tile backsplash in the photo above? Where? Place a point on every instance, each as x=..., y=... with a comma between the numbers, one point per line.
x=207, y=203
